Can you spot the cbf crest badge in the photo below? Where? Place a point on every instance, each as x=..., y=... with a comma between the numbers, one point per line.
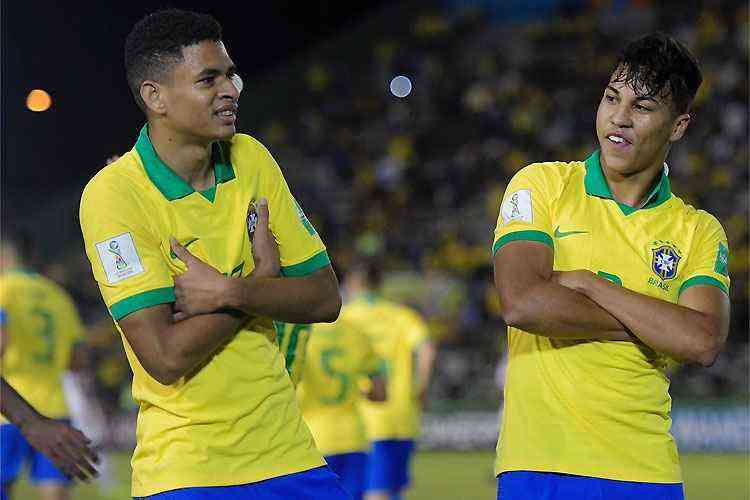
x=252, y=219
x=664, y=261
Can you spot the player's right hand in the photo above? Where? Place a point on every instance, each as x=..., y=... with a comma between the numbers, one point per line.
x=66, y=446
x=265, y=249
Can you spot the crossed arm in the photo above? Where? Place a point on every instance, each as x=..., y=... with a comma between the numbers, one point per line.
x=581, y=305
x=171, y=341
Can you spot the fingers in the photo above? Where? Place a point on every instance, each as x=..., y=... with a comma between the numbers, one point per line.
x=72, y=462
x=83, y=444
x=180, y=251
x=179, y=316
x=79, y=454
x=263, y=215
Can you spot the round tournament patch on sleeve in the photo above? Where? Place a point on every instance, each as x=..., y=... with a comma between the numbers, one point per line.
x=119, y=258
x=517, y=206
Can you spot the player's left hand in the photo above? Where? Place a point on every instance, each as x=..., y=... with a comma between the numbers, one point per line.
x=578, y=280
x=199, y=289
x=67, y=447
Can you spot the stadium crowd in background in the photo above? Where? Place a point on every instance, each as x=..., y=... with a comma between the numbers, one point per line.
x=375, y=167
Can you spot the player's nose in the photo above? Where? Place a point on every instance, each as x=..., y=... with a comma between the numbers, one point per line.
x=229, y=89
x=621, y=116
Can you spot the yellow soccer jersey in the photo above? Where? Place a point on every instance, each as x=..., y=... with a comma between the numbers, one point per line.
x=292, y=340
x=236, y=420
x=339, y=355
x=599, y=408
x=396, y=332
x=41, y=325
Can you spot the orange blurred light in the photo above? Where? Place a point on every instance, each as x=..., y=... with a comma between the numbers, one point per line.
x=38, y=100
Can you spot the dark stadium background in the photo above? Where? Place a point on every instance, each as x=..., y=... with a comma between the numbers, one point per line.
x=496, y=85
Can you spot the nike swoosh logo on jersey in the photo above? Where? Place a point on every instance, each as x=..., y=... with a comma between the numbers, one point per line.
x=563, y=234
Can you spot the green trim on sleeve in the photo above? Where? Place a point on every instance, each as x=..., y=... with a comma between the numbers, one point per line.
x=539, y=236
x=317, y=261
x=703, y=280
x=141, y=301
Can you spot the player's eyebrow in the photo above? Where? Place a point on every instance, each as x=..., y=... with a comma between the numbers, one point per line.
x=637, y=98
x=215, y=72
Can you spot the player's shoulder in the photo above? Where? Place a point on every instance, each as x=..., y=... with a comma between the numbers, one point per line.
x=553, y=173
x=701, y=220
x=16, y=279
x=27, y=279
x=246, y=151
x=119, y=177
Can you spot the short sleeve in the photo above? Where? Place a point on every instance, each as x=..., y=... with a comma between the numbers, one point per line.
x=301, y=249
x=125, y=253
x=708, y=261
x=525, y=209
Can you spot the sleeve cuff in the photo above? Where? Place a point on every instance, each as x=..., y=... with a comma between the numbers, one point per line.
x=317, y=261
x=703, y=280
x=120, y=309
x=539, y=236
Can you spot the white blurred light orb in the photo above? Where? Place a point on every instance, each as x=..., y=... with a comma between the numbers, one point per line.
x=400, y=86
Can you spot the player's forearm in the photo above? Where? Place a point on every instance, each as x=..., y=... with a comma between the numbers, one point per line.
x=14, y=407
x=551, y=310
x=671, y=329
x=309, y=299
x=426, y=355
x=188, y=343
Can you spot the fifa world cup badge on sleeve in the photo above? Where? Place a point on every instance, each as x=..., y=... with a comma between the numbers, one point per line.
x=517, y=206
x=119, y=258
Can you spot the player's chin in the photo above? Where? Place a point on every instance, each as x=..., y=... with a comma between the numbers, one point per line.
x=224, y=132
x=616, y=158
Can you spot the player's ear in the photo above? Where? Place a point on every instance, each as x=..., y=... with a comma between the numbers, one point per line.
x=152, y=97
x=679, y=127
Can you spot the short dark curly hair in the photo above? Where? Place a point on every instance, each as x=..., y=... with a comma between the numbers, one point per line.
x=155, y=44
x=658, y=65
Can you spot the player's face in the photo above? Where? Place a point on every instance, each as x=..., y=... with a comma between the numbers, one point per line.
x=200, y=95
x=635, y=131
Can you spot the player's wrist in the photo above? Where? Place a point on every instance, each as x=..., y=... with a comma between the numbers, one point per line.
x=239, y=293
x=594, y=285
x=27, y=421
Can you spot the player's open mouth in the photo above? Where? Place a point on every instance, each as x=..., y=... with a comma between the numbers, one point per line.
x=227, y=116
x=618, y=141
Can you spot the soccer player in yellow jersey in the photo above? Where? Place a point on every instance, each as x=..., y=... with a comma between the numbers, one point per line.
x=339, y=357
x=604, y=276
x=39, y=327
x=401, y=340
x=167, y=229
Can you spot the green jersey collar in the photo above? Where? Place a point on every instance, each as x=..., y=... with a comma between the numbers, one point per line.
x=171, y=185
x=596, y=185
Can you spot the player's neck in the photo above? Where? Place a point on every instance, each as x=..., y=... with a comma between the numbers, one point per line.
x=190, y=160
x=632, y=189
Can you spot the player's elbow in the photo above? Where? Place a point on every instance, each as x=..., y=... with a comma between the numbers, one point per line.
x=329, y=310
x=166, y=371
x=165, y=376
x=514, y=311
x=708, y=352
x=708, y=343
